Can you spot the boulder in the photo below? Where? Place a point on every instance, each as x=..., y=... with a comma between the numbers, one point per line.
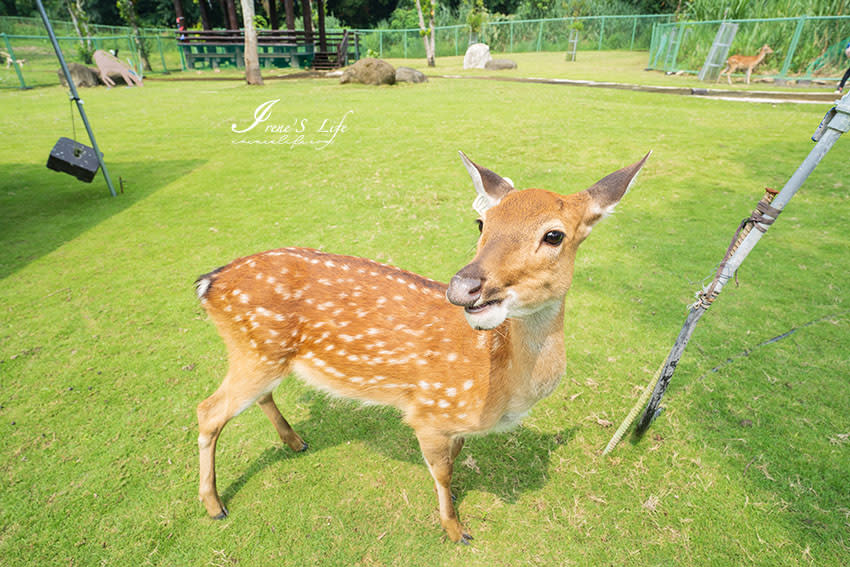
x=498, y=64
x=369, y=71
x=477, y=55
x=408, y=75
x=83, y=76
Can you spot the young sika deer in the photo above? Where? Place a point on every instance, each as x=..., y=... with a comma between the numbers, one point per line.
x=367, y=331
x=748, y=62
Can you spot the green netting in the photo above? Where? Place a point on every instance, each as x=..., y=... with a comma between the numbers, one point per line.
x=804, y=47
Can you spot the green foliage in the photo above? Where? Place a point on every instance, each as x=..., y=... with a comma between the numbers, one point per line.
x=260, y=22
x=85, y=52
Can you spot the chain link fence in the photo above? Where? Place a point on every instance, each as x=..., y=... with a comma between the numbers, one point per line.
x=804, y=48
x=632, y=32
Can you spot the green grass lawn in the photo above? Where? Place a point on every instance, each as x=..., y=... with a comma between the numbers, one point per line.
x=105, y=352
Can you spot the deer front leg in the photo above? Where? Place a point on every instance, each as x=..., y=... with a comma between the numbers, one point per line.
x=439, y=452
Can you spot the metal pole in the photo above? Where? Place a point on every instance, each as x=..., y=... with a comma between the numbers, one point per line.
x=14, y=61
x=74, y=96
x=836, y=122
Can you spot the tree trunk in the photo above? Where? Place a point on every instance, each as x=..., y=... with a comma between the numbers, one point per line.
x=252, y=60
x=232, y=18
x=307, y=14
x=205, y=15
x=178, y=8
x=289, y=6
x=274, y=23
x=323, y=44
x=427, y=34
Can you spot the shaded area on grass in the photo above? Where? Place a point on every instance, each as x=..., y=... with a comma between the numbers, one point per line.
x=506, y=465
x=43, y=209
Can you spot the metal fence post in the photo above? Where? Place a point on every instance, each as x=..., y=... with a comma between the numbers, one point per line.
x=601, y=33
x=405, y=43
x=14, y=61
x=634, y=30
x=540, y=36
x=511, y=25
x=792, y=47
x=380, y=43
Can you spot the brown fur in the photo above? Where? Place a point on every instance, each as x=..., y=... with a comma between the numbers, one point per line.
x=375, y=333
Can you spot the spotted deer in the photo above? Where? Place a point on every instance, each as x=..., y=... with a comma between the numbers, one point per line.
x=748, y=62
x=359, y=329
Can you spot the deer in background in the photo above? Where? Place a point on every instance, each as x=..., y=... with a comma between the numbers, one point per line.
x=748, y=62
x=363, y=330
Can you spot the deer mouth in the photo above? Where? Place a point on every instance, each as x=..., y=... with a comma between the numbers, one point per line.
x=475, y=309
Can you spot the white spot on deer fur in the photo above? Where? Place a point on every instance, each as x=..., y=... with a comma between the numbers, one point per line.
x=325, y=281
x=329, y=348
x=273, y=333
x=253, y=343
x=271, y=279
x=356, y=379
x=259, y=276
x=237, y=318
x=228, y=308
x=314, y=261
x=398, y=298
x=329, y=264
x=320, y=362
x=451, y=357
x=468, y=384
x=425, y=401
x=309, y=354
x=461, y=404
x=482, y=340
x=279, y=317
x=443, y=404
x=236, y=292
x=421, y=362
x=451, y=392
x=353, y=357
x=462, y=416
x=424, y=385
x=252, y=264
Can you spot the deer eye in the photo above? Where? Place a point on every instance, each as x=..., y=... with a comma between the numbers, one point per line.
x=480, y=225
x=553, y=237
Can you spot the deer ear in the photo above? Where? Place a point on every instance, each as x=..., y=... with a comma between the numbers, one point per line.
x=607, y=192
x=490, y=187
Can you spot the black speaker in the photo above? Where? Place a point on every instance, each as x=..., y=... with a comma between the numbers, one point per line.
x=69, y=156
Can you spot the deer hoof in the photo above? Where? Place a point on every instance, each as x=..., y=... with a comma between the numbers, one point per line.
x=304, y=447
x=465, y=539
x=221, y=515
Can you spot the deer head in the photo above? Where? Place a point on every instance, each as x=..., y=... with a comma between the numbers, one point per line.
x=525, y=255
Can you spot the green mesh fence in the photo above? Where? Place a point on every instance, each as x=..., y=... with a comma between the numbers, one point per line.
x=804, y=47
x=633, y=32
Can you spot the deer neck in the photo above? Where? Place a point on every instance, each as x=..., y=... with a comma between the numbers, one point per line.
x=529, y=354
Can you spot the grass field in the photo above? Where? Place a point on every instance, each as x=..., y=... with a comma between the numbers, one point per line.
x=105, y=352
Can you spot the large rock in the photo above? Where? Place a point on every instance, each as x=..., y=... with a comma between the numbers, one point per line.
x=369, y=71
x=499, y=64
x=408, y=75
x=477, y=55
x=83, y=76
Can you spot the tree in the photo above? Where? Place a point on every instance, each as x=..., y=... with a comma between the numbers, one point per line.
x=252, y=60
x=80, y=19
x=127, y=9
x=427, y=33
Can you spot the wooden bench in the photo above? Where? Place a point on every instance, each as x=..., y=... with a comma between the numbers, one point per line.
x=276, y=48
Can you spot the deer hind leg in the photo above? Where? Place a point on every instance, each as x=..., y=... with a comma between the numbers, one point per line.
x=284, y=430
x=243, y=385
x=749, y=72
x=439, y=452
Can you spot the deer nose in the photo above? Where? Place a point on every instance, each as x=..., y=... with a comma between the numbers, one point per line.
x=465, y=287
